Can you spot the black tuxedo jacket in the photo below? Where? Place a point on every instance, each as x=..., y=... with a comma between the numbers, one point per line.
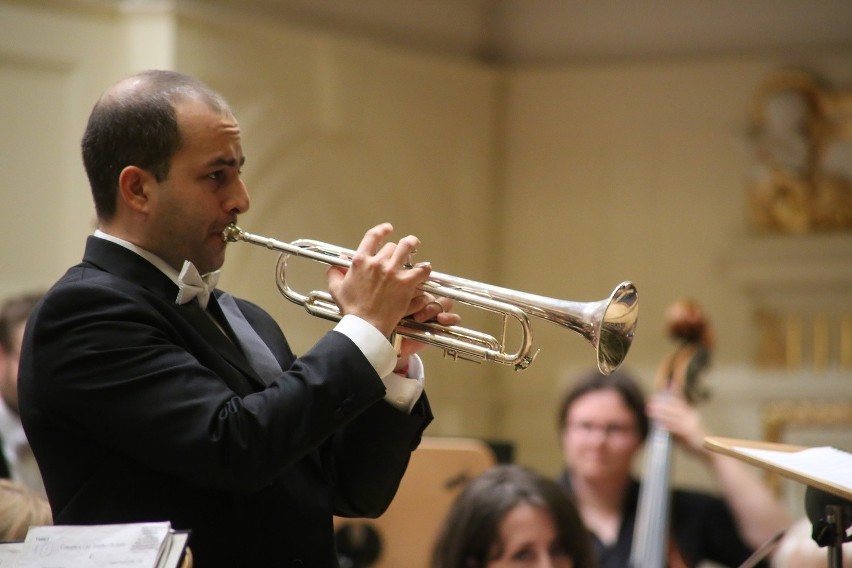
x=139, y=409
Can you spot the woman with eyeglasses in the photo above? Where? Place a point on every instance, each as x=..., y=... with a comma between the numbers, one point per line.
x=603, y=421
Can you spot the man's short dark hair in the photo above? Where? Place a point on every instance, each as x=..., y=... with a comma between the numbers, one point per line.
x=135, y=123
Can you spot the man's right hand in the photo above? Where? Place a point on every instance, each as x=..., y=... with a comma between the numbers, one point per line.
x=381, y=285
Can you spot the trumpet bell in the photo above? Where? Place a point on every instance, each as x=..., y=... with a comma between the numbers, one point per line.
x=617, y=327
x=609, y=324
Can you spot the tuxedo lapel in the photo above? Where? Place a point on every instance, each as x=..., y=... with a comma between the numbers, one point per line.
x=113, y=258
x=202, y=323
x=255, y=349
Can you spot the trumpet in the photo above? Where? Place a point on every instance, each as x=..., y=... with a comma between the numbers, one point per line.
x=609, y=324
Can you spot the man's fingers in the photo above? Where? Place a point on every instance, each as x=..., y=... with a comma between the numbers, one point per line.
x=434, y=309
x=404, y=250
x=448, y=318
x=373, y=239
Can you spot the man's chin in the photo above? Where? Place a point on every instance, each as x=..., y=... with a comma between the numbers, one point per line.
x=216, y=257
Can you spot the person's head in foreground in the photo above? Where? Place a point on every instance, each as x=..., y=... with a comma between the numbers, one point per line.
x=510, y=516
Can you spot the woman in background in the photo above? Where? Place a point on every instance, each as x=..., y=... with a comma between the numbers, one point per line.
x=512, y=517
x=603, y=421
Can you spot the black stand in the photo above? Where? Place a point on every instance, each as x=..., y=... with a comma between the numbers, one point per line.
x=359, y=545
x=830, y=516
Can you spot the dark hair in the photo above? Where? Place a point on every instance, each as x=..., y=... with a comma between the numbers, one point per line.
x=620, y=382
x=134, y=123
x=15, y=311
x=471, y=529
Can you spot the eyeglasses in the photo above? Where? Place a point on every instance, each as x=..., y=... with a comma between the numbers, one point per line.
x=614, y=430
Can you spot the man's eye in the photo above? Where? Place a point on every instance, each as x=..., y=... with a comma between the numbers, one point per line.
x=216, y=176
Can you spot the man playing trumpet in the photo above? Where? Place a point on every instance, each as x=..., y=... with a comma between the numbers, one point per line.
x=147, y=394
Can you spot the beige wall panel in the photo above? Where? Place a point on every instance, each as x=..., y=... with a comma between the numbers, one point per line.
x=630, y=171
x=53, y=64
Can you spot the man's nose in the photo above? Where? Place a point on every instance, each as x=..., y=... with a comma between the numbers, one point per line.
x=239, y=200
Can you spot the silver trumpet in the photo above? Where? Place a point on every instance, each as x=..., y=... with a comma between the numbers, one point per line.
x=609, y=325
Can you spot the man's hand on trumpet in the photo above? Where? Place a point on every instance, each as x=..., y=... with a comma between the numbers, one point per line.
x=381, y=286
x=426, y=307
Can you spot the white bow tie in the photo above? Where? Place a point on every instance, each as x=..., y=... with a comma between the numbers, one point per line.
x=192, y=285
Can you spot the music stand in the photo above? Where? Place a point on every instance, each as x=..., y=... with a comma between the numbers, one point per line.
x=828, y=499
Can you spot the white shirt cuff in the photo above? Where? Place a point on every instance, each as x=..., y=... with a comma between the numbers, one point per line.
x=400, y=392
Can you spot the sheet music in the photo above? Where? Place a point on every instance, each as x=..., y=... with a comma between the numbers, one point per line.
x=177, y=545
x=10, y=553
x=824, y=463
x=136, y=545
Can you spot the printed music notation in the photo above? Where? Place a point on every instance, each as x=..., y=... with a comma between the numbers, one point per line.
x=826, y=463
x=139, y=545
x=824, y=467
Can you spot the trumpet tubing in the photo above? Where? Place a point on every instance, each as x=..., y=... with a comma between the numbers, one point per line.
x=609, y=324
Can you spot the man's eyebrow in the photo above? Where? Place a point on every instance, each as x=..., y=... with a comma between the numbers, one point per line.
x=229, y=162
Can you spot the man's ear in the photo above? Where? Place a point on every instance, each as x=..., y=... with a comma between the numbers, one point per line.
x=134, y=187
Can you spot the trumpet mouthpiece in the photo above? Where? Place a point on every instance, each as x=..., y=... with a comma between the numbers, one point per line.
x=231, y=233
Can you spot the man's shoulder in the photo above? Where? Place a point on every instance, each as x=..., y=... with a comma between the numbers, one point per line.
x=87, y=279
x=110, y=270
